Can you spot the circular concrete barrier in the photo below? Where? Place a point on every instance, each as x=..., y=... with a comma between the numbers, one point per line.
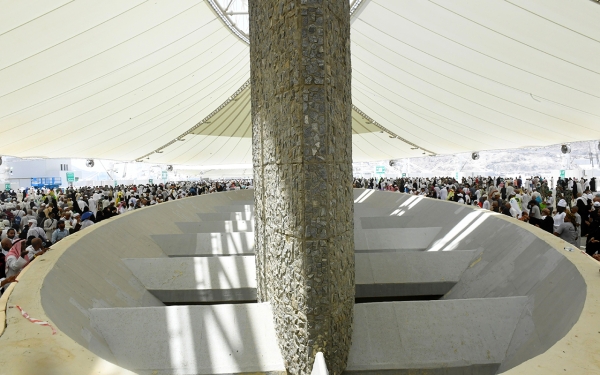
x=542, y=298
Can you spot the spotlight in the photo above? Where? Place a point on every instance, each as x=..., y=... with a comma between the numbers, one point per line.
x=169, y=168
x=392, y=163
x=89, y=163
x=1, y=157
x=565, y=149
x=475, y=156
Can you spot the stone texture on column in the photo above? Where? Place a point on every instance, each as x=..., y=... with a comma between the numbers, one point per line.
x=302, y=157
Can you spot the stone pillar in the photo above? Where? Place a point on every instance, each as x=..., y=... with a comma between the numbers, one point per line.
x=302, y=156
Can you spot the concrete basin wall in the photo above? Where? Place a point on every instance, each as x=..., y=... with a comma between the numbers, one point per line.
x=512, y=259
x=90, y=273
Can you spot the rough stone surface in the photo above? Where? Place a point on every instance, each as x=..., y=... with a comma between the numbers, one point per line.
x=302, y=156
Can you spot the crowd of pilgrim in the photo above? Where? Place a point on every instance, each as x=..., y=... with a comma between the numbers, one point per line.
x=31, y=220
x=568, y=208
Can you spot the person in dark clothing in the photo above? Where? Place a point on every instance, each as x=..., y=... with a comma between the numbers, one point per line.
x=583, y=210
x=506, y=209
x=547, y=222
x=593, y=239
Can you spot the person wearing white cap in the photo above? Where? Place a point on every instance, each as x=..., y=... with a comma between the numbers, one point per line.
x=36, y=231
x=559, y=218
x=75, y=223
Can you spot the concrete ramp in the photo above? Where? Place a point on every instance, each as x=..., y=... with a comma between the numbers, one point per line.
x=433, y=337
x=220, y=339
x=205, y=244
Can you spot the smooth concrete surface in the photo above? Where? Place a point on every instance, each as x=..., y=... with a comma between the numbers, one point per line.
x=220, y=339
x=205, y=244
x=222, y=216
x=63, y=285
x=409, y=273
x=216, y=226
x=214, y=279
x=433, y=335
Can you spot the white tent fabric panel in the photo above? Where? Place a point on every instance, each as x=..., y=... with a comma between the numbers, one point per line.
x=124, y=80
x=86, y=90
x=476, y=75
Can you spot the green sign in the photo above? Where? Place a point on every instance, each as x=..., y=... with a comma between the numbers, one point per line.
x=7, y=186
x=456, y=175
x=403, y=174
x=115, y=182
x=380, y=169
x=562, y=173
x=164, y=175
x=150, y=181
x=70, y=176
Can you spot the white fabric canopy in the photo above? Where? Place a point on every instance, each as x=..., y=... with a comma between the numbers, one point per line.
x=125, y=80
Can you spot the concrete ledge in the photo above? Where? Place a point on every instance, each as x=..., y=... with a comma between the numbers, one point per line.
x=440, y=337
x=191, y=280
x=405, y=274
x=206, y=244
x=216, y=226
x=396, y=239
x=204, y=296
x=220, y=279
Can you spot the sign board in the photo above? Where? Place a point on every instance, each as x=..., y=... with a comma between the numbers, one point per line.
x=403, y=174
x=115, y=182
x=562, y=173
x=150, y=181
x=70, y=176
x=380, y=169
x=50, y=182
x=7, y=186
x=456, y=175
x=164, y=175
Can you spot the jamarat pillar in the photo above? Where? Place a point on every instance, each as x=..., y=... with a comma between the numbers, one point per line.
x=302, y=156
